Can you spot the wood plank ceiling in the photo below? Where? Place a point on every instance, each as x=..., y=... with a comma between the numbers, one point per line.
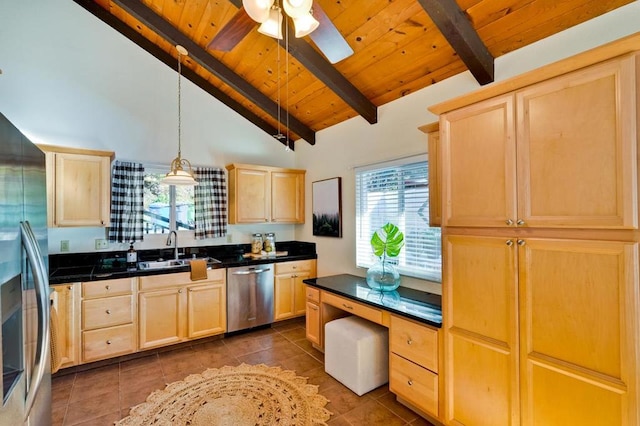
x=400, y=46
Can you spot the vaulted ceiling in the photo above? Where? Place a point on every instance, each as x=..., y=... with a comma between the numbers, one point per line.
x=291, y=89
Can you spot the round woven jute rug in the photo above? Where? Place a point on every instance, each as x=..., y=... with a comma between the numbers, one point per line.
x=234, y=396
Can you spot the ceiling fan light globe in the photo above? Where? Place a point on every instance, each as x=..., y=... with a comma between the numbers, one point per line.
x=258, y=10
x=297, y=8
x=305, y=25
x=272, y=27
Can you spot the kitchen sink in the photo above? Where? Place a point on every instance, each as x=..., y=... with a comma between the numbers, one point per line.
x=173, y=263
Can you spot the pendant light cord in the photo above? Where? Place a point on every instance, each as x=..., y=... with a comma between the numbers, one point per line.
x=179, y=107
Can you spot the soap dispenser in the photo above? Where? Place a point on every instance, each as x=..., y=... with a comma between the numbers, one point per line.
x=132, y=256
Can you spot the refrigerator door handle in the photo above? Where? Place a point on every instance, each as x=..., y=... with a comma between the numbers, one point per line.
x=41, y=281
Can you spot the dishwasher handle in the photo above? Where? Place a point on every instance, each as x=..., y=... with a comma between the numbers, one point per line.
x=251, y=271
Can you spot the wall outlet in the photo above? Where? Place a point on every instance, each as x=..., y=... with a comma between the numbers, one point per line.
x=64, y=245
x=229, y=238
x=101, y=244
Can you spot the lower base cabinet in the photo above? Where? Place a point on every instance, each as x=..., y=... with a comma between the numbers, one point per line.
x=173, y=309
x=65, y=299
x=289, y=288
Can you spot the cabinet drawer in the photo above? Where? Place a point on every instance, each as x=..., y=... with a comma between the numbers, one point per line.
x=415, y=384
x=313, y=294
x=106, y=312
x=108, y=342
x=106, y=288
x=154, y=282
x=295, y=266
x=355, y=308
x=415, y=342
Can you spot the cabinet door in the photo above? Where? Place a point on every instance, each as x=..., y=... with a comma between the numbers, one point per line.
x=579, y=169
x=206, y=310
x=284, y=288
x=82, y=196
x=161, y=317
x=579, y=332
x=250, y=200
x=479, y=160
x=480, y=324
x=287, y=197
x=300, y=293
x=312, y=323
x=435, y=193
x=66, y=301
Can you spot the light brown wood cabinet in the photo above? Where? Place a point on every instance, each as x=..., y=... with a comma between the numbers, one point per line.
x=290, y=297
x=413, y=364
x=78, y=186
x=108, y=318
x=65, y=298
x=173, y=309
x=540, y=304
x=261, y=194
x=313, y=324
x=435, y=193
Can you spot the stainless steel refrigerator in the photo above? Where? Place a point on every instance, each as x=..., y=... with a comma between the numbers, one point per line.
x=24, y=283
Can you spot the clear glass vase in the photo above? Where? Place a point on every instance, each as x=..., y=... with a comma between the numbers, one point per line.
x=383, y=276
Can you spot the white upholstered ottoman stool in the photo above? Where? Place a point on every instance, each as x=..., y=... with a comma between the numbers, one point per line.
x=356, y=353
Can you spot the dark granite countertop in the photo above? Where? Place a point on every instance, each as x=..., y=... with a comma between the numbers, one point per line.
x=414, y=304
x=78, y=267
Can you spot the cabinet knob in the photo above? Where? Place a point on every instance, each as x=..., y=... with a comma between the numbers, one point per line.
x=69, y=288
x=108, y=342
x=180, y=291
x=108, y=311
x=508, y=222
x=107, y=287
x=521, y=242
x=509, y=243
x=410, y=382
x=520, y=222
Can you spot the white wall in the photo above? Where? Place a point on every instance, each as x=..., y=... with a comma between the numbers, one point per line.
x=68, y=79
x=396, y=134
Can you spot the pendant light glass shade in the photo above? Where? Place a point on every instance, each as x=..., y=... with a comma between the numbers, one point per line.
x=272, y=27
x=178, y=175
x=258, y=10
x=297, y=8
x=305, y=25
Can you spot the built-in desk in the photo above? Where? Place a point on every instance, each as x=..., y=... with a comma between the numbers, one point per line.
x=414, y=319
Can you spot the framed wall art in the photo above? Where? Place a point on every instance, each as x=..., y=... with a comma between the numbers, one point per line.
x=327, y=207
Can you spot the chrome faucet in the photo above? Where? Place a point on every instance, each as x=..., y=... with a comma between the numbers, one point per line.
x=174, y=242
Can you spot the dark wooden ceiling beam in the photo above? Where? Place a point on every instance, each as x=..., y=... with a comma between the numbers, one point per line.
x=165, y=30
x=319, y=66
x=457, y=29
x=109, y=19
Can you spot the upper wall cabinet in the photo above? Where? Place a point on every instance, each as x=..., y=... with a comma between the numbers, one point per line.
x=259, y=194
x=435, y=194
x=521, y=160
x=78, y=186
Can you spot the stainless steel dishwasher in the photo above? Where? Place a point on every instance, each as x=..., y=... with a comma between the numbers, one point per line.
x=249, y=296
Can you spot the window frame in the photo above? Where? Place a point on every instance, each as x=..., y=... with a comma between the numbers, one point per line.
x=411, y=216
x=161, y=170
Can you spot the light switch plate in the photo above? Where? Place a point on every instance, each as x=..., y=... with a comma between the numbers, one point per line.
x=64, y=245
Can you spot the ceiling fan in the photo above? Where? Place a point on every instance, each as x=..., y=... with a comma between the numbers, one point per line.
x=307, y=16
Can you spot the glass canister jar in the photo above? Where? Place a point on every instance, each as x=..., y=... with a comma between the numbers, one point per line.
x=256, y=243
x=269, y=243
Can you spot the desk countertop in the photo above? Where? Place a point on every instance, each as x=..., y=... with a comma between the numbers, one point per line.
x=414, y=304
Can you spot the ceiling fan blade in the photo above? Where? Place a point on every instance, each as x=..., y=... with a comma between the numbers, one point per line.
x=327, y=37
x=231, y=34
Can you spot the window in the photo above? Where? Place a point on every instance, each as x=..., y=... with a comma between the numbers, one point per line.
x=398, y=192
x=166, y=207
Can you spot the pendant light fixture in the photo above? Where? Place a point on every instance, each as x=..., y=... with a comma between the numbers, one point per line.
x=178, y=175
x=269, y=14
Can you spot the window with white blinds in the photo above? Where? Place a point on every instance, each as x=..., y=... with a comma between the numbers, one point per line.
x=398, y=192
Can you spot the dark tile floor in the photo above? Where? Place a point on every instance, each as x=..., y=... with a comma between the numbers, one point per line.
x=104, y=395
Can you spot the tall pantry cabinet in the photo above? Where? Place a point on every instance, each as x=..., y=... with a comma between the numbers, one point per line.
x=540, y=246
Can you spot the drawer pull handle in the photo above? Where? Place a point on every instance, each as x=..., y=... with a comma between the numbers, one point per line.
x=410, y=382
x=107, y=287
x=108, y=311
x=409, y=341
x=347, y=306
x=108, y=342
